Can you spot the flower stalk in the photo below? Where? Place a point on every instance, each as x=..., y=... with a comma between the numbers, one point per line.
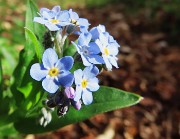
x=59, y=43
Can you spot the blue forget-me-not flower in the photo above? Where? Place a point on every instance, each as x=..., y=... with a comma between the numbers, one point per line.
x=100, y=29
x=53, y=19
x=108, y=50
x=88, y=50
x=77, y=22
x=53, y=72
x=86, y=83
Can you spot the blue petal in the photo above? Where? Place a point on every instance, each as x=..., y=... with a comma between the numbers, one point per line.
x=111, y=39
x=38, y=72
x=103, y=39
x=95, y=33
x=83, y=22
x=114, y=43
x=49, y=85
x=93, y=48
x=63, y=23
x=78, y=48
x=66, y=80
x=93, y=84
x=82, y=30
x=85, y=60
x=108, y=64
x=78, y=93
x=99, y=43
x=40, y=20
x=47, y=15
x=78, y=76
x=94, y=70
x=56, y=9
x=44, y=10
x=49, y=58
x=113, y=61
x=84, y=39
x=106, y=34
x=96, y=59
x=101, y=28
x=52, y=27
x=63, y=16
x=113, y=50
x=50, y=15
x=70, y=12
x=73, y=15
x=65, y=63
x=87, y=97
x=90, y=72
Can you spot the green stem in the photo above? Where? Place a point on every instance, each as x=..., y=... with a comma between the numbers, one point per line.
x=77, y=57
x=59, y=43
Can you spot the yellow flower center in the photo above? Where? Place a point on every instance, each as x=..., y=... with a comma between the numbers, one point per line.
x=54, y=21
x=84, y=83
x=73, y=21
x=53, y=72
x=106, y=51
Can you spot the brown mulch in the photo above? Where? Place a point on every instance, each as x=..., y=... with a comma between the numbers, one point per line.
x=149, y=66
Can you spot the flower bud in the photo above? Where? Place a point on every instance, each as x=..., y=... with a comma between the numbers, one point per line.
x=47, y=40
x=76, y=104
x=71, y=29
x=50, y=103
x=46, y=117
x=41, y=121
x=62, y=110
x=54, y=100
x=44, y=112
x=69, y=92
x=49, y=117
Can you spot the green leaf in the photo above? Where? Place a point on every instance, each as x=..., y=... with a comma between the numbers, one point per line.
x=6, y=124
x=8, y=130
x=105, y=99
x=77, y=65
x=4, y=102
x=8, y=60
x=32, y=91
x=27, y=55
x=66, y=44
x=32, y=11
x=35, y=42
x=70, y=50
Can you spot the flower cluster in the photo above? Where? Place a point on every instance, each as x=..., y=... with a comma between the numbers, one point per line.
x=56, y=19
x=67, y=85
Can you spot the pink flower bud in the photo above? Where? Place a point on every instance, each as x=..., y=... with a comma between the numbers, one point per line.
x=76, y=104
x=69, y=92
